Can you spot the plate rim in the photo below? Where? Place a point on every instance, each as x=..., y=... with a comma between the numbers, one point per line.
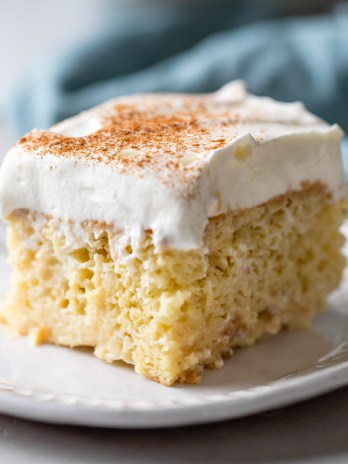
x=72, y=409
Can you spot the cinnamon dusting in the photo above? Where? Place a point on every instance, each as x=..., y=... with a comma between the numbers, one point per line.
x=161, y=134
x=155, y=131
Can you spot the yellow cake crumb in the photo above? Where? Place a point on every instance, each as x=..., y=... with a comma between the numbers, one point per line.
x=40, y=335
x=242, y=152
x=168, y=312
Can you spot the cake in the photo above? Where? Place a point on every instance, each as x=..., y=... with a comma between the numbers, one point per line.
x=166, y=230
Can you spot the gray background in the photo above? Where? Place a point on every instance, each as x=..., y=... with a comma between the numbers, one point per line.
x=315, y=431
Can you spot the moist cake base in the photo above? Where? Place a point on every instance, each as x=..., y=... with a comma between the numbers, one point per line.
x=168, y=312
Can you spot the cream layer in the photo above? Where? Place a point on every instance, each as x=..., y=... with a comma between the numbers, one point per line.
x=240, y=151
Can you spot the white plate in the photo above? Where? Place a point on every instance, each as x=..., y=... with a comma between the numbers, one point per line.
x=59, y=385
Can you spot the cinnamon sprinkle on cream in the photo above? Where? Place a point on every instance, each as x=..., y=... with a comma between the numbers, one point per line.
x=163, y=133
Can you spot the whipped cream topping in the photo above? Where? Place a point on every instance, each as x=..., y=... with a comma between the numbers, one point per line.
x=169, y=162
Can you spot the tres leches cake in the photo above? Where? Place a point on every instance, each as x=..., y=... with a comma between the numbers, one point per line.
x=166, y=230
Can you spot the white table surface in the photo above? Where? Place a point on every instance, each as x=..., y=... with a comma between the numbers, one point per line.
x=315, y=431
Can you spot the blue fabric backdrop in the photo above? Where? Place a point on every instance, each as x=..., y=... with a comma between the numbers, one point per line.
x=193, y=48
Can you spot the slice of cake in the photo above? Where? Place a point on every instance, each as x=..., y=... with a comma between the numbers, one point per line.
x=166, y=230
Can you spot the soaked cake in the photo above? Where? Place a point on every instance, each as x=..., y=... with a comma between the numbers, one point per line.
x=165, y=230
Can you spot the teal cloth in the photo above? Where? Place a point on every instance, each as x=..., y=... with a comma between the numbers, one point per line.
x=194, y=48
